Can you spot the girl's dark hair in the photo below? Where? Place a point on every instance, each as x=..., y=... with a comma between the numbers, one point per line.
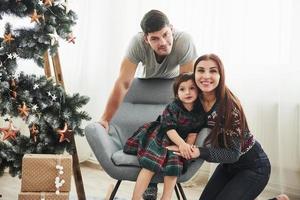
x=182, y=78
x=227, y=102
x=153, y=21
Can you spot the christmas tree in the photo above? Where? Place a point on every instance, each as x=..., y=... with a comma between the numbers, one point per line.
x=51, y=115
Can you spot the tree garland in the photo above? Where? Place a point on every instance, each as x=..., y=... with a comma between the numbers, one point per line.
x=51, y=115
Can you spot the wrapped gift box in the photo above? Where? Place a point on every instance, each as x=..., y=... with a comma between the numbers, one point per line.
x=43, y=195
x=39, y=172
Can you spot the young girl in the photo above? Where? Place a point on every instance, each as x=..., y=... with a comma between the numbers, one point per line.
x=178, y=125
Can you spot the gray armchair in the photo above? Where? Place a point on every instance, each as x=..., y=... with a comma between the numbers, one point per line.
x=144, y=101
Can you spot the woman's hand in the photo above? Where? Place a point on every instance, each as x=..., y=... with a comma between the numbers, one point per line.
x=195, y=152
x=185, y=150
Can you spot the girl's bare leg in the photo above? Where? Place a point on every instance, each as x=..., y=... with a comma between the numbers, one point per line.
x=169, y=184
x=142, y=183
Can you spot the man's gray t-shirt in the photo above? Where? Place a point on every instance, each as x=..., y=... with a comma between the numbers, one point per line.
x=140, y=53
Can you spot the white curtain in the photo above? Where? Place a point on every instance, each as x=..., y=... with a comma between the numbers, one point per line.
x=258, y=41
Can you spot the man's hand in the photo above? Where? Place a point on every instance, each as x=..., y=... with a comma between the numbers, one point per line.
x=105, y=124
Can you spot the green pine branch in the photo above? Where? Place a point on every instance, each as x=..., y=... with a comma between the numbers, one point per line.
x=49, y=108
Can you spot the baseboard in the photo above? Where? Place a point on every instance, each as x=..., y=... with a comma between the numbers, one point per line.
x=284, y=180
x=293, y=193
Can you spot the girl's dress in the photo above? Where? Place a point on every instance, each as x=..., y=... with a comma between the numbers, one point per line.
x=149, y=142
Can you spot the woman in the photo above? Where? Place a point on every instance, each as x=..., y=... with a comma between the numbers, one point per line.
x=244, y=168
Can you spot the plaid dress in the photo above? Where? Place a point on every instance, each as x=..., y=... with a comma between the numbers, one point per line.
x=149, y=142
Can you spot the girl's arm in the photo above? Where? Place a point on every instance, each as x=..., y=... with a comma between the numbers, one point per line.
x=184, y=148
x=191, y=138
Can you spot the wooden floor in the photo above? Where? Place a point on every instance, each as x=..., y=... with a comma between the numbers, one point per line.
x=97, y=183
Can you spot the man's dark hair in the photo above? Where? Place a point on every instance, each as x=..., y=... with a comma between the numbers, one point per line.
x=153, y=21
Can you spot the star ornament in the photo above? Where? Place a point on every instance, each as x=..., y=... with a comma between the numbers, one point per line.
x=34, y=107
x=54, y=97
x=23, y=111
x=9, y=132
x=36, y=86
x=8, y=38
x=65, y=134
x=35, y=17
x=47, y=2
x=12, y=56
x=71, y=38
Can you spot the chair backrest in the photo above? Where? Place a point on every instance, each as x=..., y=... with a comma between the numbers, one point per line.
x=143, y=103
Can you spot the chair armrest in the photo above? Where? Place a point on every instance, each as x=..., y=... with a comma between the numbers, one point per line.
x=202, y=136
x=100, y=142
x=194, y=166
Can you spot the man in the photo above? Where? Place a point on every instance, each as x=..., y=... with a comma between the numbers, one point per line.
x=158, y=52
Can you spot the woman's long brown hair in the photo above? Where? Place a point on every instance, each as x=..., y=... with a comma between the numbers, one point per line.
x=226, y=102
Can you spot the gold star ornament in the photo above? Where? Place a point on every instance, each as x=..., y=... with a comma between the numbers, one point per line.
x=23, y=111
x=8, y=38
x=65, y=134
x=47, y=2
x=35, y=17
x=9, y=132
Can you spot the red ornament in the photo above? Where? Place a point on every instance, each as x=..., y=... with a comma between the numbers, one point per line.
x=71, y=38
x=65, y=134
x=9, y=132
x=34, y=132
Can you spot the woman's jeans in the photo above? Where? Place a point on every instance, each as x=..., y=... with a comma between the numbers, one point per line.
x=242, y=180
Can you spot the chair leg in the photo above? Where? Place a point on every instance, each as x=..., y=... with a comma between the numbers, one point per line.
x=177, y=193
x=113, y=194
x=181, y=191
